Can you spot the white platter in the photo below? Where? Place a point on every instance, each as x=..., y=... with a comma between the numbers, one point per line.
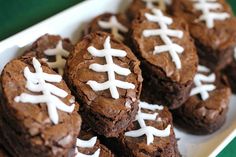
x=69, y=24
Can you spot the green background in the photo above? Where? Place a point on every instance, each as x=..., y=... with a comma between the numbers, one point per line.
x=16, y=15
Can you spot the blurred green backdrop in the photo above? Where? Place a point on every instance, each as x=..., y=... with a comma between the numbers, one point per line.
x=16, y=15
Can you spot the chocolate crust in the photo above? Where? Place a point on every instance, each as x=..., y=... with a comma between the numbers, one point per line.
x=161, y=90
x=134, y=8
x=215, y=46
x=28, y=131
x=159, y=72
x=3, y=152
x=138, y=5
x=205, y=117
x=230, y=72
x=105, y=115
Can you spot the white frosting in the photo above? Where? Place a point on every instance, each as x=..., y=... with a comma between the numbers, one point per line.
x=207, y=8
x=149, y=131
x=159, y=119
x=151, y=107
x=115, y=27
x=111, y=68
x=86, y=144
x=127, y=105
x=201, y=68
x=72, y=100
x=165, y=33
x=39, y=82
x=201, y=88
x=59, y=52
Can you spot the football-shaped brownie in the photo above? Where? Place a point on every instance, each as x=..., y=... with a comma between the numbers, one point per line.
x=38, y=113
x=105, y=77
x=168, y=57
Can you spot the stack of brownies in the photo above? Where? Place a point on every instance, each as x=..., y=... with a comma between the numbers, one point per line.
x=121, y=88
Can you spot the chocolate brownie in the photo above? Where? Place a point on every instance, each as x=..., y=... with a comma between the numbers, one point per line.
x=88, y=138
x=230, y=72
x=138, y=5
x=106, y=109
x=116, y=24
x=38, y=114
x=53, y=49
x=3, y=153
x=215, y=38
x=152, y=121
x=205, y=111
x=167, y=79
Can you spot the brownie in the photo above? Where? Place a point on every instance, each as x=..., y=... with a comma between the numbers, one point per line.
x=107, y=113
x=116, y=24
x=3, y=153
x=138, y=5
x=53, y=49
x=215, y=43
x=164, y=82
x=205, y=115
x=87, y=135
x=32, y=129
x=230, y=72
x=161, y=146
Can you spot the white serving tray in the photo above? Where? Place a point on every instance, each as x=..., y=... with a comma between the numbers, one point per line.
x=69, y=23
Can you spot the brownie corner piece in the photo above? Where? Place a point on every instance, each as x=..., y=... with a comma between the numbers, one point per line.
x=38, y=113
x=151, y=135
x=168, y=72
x=215, y=37
x=105, y=76
x=206, y=109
